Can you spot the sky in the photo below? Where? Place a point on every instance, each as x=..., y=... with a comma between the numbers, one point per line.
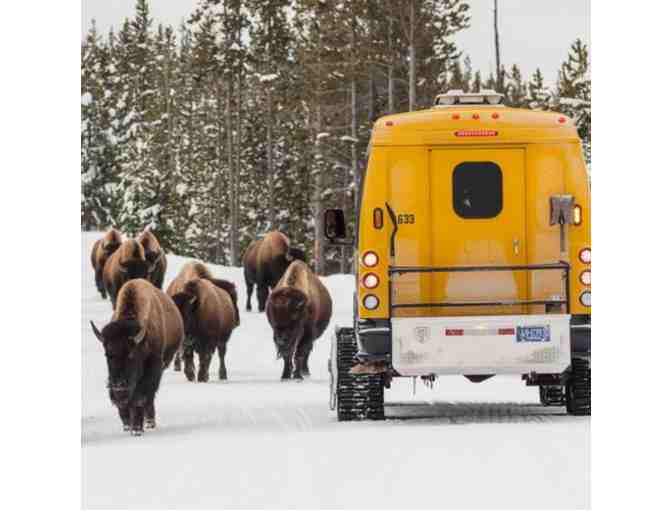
x=533, y=33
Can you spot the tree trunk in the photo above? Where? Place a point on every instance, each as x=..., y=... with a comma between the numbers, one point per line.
x=500, y=75
x=269, y=162
x=390, y=69
x=235, y=242
x=233, y=173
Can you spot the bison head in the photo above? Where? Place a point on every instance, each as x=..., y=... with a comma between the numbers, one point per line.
x=187, y=304
x=123, y=341
x=134, y=268
x=287, y=311
x=153, y=258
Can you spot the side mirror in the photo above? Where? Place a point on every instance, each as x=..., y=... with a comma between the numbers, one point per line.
x=334, y=224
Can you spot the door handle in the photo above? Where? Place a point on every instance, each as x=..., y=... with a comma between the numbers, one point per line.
x=516, y=246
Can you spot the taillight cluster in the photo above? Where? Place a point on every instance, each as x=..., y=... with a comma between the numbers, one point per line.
x=370, y=280
x=584, y=276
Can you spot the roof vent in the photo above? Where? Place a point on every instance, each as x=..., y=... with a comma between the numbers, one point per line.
x=460, y=98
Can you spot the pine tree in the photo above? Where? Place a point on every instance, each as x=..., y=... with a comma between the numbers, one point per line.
x=573, y=92
x=538, y=94
x=516, y=90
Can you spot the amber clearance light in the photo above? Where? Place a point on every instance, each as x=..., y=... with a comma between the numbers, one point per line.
x=466, y=133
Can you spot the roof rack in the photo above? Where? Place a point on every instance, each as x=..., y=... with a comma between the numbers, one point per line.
x=458, y=97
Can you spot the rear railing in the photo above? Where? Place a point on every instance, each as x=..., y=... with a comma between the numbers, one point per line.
x=560, y=266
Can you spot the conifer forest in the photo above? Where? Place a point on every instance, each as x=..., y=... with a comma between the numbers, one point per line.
x=255, y=115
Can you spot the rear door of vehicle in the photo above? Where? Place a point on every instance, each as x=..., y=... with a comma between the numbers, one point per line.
x=477, y=209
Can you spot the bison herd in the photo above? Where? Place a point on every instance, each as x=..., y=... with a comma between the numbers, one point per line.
x=150, y=328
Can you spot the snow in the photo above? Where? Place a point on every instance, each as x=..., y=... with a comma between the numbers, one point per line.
x=253, y=442
x=87, y=98
x=348, y=138
x=322, y=135
x=267, y=77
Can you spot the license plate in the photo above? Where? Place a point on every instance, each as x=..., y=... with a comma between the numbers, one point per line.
x=533, y=334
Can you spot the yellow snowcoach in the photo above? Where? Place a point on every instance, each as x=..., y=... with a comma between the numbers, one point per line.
x=473, y=255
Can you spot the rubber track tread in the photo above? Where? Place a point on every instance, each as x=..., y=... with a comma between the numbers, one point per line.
x=359, y=397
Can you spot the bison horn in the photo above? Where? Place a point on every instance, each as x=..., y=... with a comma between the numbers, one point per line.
x=98, y=334
x=140, y=336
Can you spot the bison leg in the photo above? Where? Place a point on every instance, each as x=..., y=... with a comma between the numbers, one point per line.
x=137, y=420
x=125, y=415
x=287, y=369
x=204, y=358
x=250, y=288
x=189, y=368
x=99, y=283
x=177, y=365
x=221, y=350
x=150, y=414
x=301, y=357
x=262, y=296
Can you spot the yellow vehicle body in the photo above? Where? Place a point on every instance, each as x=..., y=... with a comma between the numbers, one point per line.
x=473, y=255
x=413, y=157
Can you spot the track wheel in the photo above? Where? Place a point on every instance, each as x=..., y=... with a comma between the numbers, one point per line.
x=358, y=397
x=578, y=388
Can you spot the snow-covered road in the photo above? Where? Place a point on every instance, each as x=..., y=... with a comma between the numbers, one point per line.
x=253, y=442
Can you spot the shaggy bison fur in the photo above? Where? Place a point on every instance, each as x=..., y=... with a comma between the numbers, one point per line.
x=145, y=332
x=299, y=310
x=157, y=263
x=209, y=312
x=264, y=262
x=125, y=264
x=102, y=250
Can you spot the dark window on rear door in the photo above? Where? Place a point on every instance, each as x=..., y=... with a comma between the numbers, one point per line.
x=477, y=190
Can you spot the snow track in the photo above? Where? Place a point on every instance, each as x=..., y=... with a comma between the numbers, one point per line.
x=254, y=442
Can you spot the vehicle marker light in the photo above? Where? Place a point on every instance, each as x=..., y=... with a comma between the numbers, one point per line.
x=389, y=123
x=585, y=298
x=456, y=116
x=370, y=281
x=562, y=120
x=495, y=115
x=454, y=332
x=577, y=215
x=506, y=331
x=378, y=218
x=584, y=256
x=370, y=302
x=463, y=133
x=585, y=277
x=475, y=116
x=370, y=259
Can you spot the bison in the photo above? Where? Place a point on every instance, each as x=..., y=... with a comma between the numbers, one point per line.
x=210, y=315
x=156, y=258
x=264, y=262
x=192, y=270
x=299, y=310
x=125, y=264
x=145, y=332
x=102, y=250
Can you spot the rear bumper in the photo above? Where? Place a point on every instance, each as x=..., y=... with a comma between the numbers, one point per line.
x=483, y=345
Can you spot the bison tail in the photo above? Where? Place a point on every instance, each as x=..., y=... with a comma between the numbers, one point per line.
x=230, y=288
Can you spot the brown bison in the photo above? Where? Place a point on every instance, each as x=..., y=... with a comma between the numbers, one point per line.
x=102, y=250
x=209, y=313
x=156, y=258
x=299, y=310
x=264, y=262
x=145, y=332
x=193, y=270
x=125, y=264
